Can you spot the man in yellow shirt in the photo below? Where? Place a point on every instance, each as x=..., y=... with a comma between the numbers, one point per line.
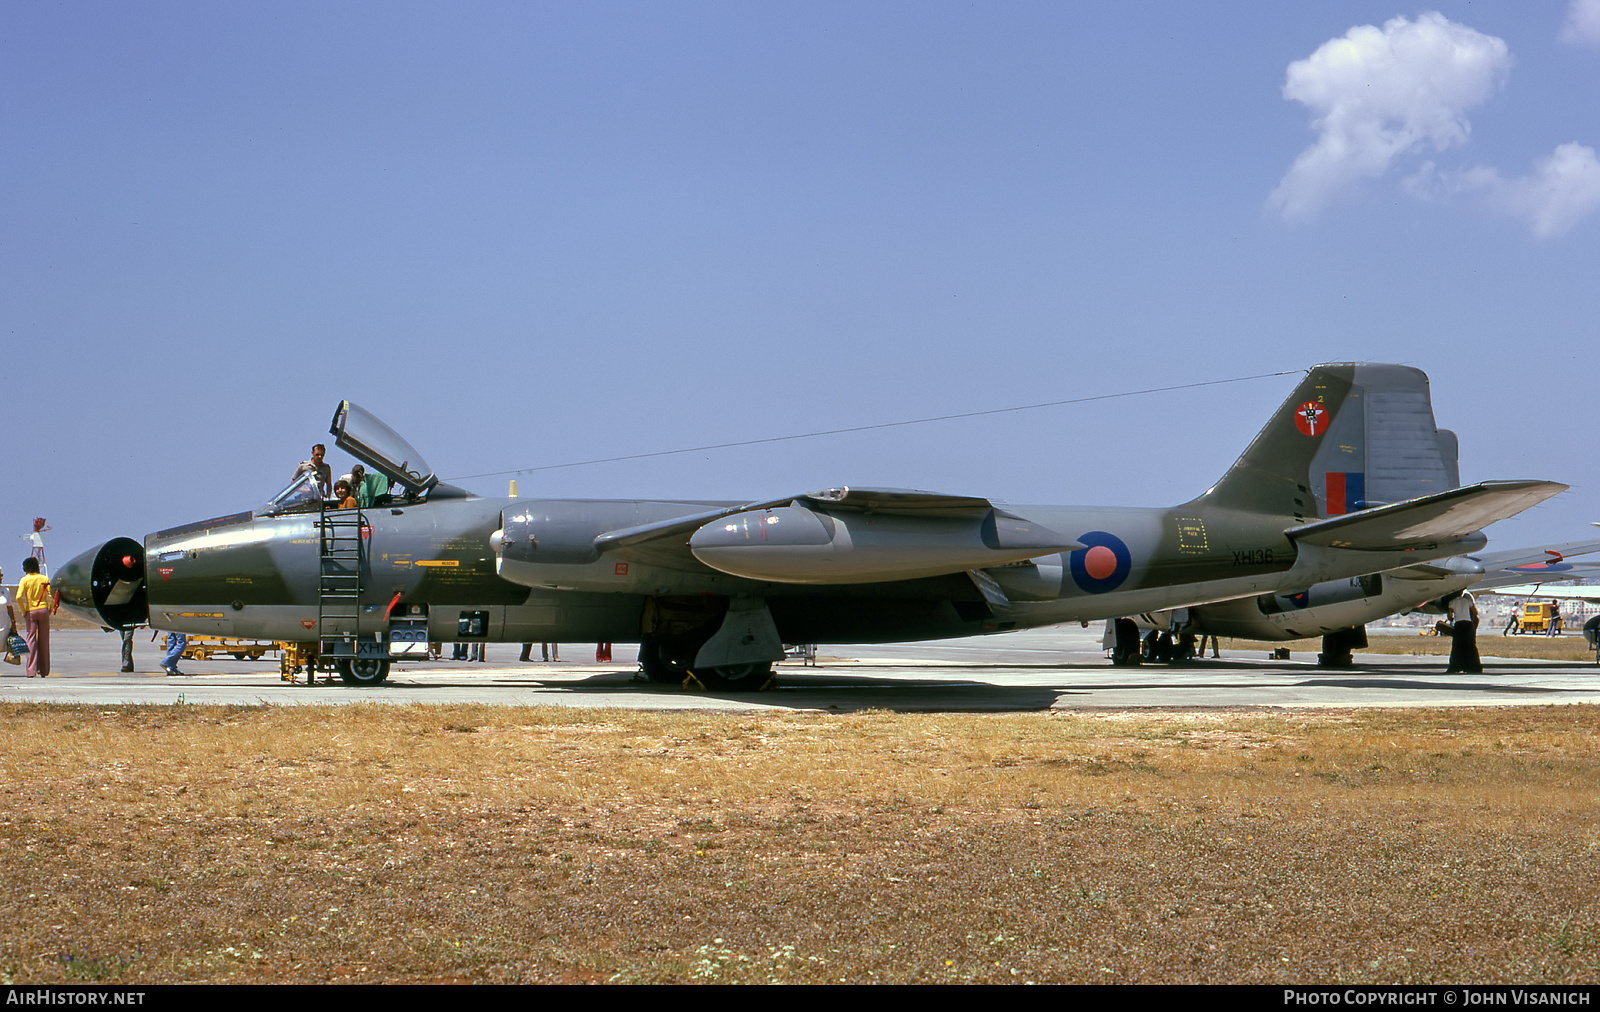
x=34, y=597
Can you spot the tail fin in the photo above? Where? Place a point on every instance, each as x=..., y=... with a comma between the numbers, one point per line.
x=1351, y=435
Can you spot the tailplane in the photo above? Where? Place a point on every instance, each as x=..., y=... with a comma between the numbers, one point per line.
x=1428, y=520
x=1350, y=436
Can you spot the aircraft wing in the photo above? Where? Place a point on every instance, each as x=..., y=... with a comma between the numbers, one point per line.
x=1591, y=594
x=678, y=528
x=1557, y=570
x=1516, y=565
x=1445, y=516
x=901, y=502
x=1540, y=560
x=841, y=535
x=1509, y=568
x=898, y=501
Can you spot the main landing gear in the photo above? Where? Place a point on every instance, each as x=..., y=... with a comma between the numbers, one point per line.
x=1125, y=643
x=1127, y=650
x=670, y=660
x=1338, y=645
x=1163, y=648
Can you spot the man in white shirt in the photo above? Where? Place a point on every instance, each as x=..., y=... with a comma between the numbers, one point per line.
x=319, y=467
x=1464, y=639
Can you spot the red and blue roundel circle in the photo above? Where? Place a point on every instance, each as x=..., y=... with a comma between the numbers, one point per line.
x=1102, y=564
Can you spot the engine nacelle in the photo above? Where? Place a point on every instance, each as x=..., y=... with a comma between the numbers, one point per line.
x=792, y=544
x=541, y=535
x=1325, y=607
x=107, y=585
x=1323, y=594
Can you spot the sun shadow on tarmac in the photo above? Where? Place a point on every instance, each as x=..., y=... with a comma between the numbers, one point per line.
x=834, y=693
x=844, y=692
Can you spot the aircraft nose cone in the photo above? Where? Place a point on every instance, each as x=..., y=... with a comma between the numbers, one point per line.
x=72, y=582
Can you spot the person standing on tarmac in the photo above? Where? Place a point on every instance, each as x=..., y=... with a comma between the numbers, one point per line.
x=1464, y=636
x=176, y=642
x=33, y=596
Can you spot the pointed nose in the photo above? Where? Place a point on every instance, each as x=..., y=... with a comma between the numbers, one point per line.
x=106, y=584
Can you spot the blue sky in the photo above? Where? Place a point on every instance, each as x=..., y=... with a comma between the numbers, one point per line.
x=529, y=234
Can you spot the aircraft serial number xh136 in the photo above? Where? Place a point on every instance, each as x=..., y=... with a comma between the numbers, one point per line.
x=1346, y=479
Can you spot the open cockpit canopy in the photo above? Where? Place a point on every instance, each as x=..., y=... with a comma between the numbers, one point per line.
x=365, y=437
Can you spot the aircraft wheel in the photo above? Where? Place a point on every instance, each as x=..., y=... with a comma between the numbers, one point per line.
x=666, y=661
x=751, y=677
x=1125, y=652
x=363, y=671
x=1337, y=647
x=1157, y=647
x=670, y=660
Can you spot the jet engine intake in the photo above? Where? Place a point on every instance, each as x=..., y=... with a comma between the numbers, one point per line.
x=545, y=538
x=107, y=584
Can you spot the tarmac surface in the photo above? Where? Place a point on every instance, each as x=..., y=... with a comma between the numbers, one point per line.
x=1061, y=667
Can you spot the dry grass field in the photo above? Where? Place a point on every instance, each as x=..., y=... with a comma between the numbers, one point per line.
x=454, y=844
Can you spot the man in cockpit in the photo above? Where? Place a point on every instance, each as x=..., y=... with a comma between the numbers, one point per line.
x=319, y=467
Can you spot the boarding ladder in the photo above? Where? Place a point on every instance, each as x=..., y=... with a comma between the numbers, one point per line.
x=343, y=555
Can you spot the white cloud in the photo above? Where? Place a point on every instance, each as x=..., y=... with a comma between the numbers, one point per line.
x=1582, y=26
x=1563, y=189
x=1379, y=94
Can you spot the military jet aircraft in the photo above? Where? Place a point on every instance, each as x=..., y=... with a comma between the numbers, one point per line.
x=712, y=590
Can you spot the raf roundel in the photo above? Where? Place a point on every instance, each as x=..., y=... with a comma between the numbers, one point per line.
x=1102, y=564
x=1541, y=567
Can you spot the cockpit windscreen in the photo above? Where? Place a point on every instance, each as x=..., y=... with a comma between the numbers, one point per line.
x=302, y=492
